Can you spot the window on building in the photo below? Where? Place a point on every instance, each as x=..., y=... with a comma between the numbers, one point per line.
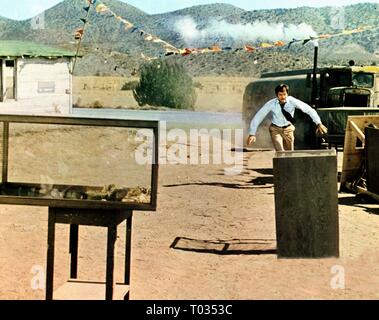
x=9, y=63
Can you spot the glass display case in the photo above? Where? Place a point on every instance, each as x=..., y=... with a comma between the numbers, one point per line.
x=79, y=162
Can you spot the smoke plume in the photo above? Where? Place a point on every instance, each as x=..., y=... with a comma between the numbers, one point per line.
x=229, y=33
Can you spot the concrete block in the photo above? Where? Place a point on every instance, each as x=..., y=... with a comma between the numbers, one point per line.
x=306, y=204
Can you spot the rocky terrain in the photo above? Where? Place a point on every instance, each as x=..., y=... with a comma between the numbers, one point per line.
x=109, y=49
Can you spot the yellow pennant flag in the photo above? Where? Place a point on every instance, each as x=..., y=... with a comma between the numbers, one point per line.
x=128, y=25
x=101, y=8
x=214, y=48
x=347, y=32
x=266, y=45
x=157, y=40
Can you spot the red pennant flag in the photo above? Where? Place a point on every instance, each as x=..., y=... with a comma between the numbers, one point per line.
x=185, y=52
x=249, y=48
x=79, y=34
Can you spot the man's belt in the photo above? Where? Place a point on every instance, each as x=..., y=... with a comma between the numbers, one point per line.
x=280, y=126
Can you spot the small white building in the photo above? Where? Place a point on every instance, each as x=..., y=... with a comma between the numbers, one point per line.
x=35, y=79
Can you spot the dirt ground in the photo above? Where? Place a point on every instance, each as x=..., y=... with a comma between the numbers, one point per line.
x=211, y=237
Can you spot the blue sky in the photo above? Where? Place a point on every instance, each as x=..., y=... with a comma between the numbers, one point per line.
x=24, y=9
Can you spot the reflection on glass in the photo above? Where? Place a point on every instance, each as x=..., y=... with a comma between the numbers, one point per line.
x=76, y=162
x=362, y=79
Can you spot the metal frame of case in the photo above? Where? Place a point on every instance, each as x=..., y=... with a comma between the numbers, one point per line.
x=86, y=204
x=84, y=212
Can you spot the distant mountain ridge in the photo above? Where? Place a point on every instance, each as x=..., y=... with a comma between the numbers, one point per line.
x=113, y=50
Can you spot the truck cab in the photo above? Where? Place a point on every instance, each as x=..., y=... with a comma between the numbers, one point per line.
x=349, y=87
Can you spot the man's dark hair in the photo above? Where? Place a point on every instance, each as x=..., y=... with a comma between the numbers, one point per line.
x=281, y=88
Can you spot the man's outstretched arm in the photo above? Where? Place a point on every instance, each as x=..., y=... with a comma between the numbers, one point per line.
x=258, y=118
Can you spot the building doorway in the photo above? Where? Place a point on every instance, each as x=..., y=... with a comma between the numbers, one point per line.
x=10, y=83
x=7, y=79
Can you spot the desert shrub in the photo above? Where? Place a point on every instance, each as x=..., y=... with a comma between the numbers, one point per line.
x=77, y=104
x=198, y=85
x=165, y=83
x=130, y=85
x=97, y=105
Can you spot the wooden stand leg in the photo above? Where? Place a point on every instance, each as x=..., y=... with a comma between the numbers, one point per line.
x=50, y=255
x=74, y=237
x=112, y=236
x=128, y=250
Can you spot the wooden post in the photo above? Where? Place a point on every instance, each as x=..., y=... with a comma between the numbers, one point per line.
x=74, y=239
x=5, y=152
x=128, y=249
x=112, y=236
x=50, y=254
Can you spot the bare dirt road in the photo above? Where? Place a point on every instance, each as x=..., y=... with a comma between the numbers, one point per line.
x=212, y=237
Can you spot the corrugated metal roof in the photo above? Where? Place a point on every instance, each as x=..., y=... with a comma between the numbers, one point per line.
x=10, y=48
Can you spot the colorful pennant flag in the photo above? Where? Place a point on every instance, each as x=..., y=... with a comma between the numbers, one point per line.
x=101, y=8
x=266, y=45
x=306, y=41
x=128, y=25
x=79, y=33
x=185, y=52
x=249, y=48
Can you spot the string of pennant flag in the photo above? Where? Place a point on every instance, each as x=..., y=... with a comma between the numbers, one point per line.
x=170, y=49
x=101, y=8
x=79, y=33
x=328, y=36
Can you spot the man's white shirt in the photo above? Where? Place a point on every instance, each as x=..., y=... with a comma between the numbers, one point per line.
x=277, y=117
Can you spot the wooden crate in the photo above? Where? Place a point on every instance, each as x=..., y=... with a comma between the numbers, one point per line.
x=372, y=159
x=353, y=153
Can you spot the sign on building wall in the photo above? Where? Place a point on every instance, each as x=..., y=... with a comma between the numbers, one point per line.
x=46, y=87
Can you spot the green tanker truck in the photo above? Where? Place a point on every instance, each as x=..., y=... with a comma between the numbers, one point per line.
x=335, y=92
